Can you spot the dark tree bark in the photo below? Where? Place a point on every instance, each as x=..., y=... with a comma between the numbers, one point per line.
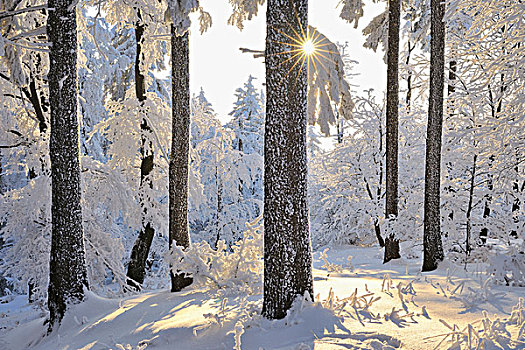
x=241, y=134
x=392, y=109
x=516, y=204
x=218, y=217
x=451, y=109
x=140, y=251
x=451, y=88
x=468, y=246
x=392, y=116
x=340, y=129
x=432, y=246
x=67, y=268
x=452, y=70
x=377, y=227
x=408, y=99
x=391, y=249
x=484, y=234
x=179, y=158
x=287, y=247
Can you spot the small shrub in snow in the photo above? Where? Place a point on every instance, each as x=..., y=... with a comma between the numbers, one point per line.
x=479, y=294
x=509, y=268
x=234, y=269
x=517, y=316
x=332, y=267
x=237, y=332
x=483, y=334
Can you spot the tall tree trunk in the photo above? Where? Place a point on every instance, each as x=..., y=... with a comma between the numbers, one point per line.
x=516, y=203
x=36, y=102
x=432, y=246
x=484, y=234
x=377, y=227
x=287, y=246
x=451, y=109
x=139, y=253
x=408, y=99
x=392, y=114
x=218, y=221
x=468, y=247
x=392, y=109
x=179, y=158
x=3, y=188
x=67, y=268
x=451, y=88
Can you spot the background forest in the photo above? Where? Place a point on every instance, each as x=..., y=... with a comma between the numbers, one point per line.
x=127, y=61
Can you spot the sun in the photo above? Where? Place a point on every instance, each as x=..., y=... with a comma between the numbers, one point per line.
x=309, y=47
x=307, y=50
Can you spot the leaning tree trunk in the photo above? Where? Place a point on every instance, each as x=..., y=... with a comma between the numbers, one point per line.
x=67, y=267
x=287, y=248
x=140, y=251
x=180, y=138
x=392, y=112
x=432, y=246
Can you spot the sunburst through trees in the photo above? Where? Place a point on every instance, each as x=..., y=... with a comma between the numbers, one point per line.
x=310, y=47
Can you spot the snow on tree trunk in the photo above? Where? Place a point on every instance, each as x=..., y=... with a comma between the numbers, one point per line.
x=392, y=108
x=392, y=112
x=287, y=248
x=432, y=246
x=3, y=281
x=180, y=138
x=218, y=214
x=67, y=268
x=140, y=251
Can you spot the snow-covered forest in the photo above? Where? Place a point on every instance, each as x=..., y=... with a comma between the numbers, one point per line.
x=318, y=213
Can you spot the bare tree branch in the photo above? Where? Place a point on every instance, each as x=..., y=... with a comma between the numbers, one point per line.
x=256, y=53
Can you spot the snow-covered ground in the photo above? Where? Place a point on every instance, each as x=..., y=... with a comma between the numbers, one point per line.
x=359, y=304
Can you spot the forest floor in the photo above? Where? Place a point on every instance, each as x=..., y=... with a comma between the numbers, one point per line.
x=369, y=305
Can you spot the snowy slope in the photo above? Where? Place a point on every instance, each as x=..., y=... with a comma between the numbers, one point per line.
x=407, y=314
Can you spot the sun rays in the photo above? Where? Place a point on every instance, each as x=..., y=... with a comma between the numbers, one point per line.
x=310, y=48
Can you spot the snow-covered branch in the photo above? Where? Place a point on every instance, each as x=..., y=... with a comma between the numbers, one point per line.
x=7, y=14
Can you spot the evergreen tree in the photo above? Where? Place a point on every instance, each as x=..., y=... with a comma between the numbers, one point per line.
x=231, y=180
x=287, y=248
x=178, y=167
x=432, y=246
x=178, y=12
x=67, y=269
x=247, y=121
x=392, y=112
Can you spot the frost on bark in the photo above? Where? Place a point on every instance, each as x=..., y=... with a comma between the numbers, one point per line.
x=67, y=268
x=3, y=281
x=432, y=246
x=178, y=167
x=139, y=253
x=287, y=248
x=392, y=111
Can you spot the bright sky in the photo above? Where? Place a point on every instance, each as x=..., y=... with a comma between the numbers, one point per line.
x=217, y=65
